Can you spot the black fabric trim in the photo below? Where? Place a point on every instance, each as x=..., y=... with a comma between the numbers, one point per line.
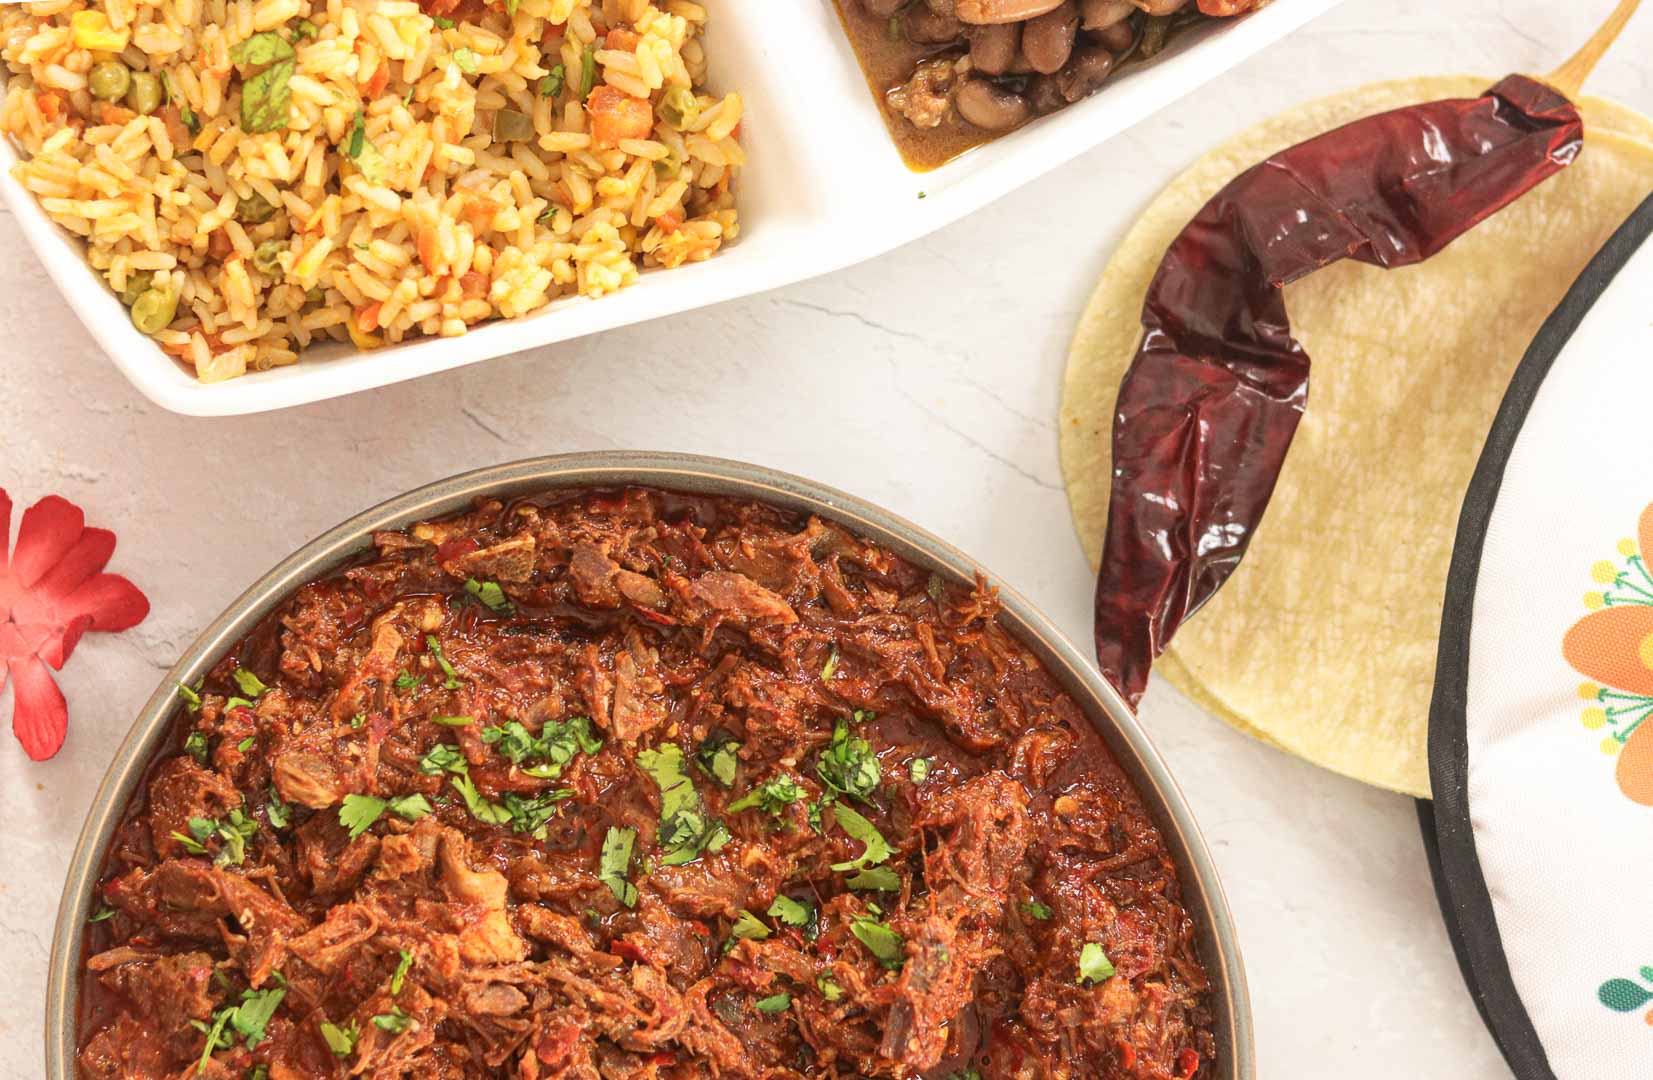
x=1448, y=838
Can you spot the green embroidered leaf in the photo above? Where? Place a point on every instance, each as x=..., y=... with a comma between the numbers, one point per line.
x=1622, y=995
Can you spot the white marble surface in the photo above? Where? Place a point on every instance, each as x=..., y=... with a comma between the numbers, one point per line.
x=926, y=381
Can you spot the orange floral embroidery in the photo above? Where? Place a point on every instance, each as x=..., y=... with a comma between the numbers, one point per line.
x=1613, y=646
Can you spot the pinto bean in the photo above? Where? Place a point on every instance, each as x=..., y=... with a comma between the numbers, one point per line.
x=1047, y=41
x=993, y=48
x=1101, y=14
x=988, y=12
x=1086, y=72
x=1118, y=38
x=990, y=106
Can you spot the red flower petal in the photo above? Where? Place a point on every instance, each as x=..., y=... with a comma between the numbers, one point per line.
x=39, y=717
x=89, y=555
x=113, y=603
x=56, y=649
x=50, y=528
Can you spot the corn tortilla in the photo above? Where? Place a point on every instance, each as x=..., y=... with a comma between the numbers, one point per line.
x=1323, y=642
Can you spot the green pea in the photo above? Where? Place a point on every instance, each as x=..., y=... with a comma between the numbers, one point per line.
x=144, y=95
x=268, y=256
x=512, y=126
x=255, y=209
x=153, y=310
x=109, y=79
x=679, y=108
x=136, y=283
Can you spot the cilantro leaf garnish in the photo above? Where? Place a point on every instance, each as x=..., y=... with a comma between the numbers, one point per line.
x=552, y=84
x=615, y=864
x=878, y=879
x=195, y=745
x=276, y=811
x=1094, y=965
x=191, y=696
x=877, y=848
x=443, y=757
x=918, y=770
x=267, y=96
x=848, y=765
x=790, y=911
x=718, y=758
x=773, y=796
x=748, y=927
x=880, y=940
x=480, y=808
x=102, y=913
x=831, y=667
x=466, y=58
x=685, y=830
x=775, y=1003
x=453, y=682
x=411, y=807
x=395, y=1021
x=405, y=681
x=1033, y=909
x=550, y=751
x=340, y=1040
x=588, y=71
x=442, y=23
x=250, y=684
x=404, y=964
x=490, y=595
x=358, y=813
x=829, y=988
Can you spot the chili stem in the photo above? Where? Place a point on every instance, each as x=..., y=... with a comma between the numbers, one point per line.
x=1569, y=77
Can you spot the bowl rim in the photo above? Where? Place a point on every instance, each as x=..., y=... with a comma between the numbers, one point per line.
x=1202, y=890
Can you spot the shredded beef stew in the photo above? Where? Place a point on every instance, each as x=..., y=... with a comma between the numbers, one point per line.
x=629, y=784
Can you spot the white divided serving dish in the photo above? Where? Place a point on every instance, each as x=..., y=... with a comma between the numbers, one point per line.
x=824, y=188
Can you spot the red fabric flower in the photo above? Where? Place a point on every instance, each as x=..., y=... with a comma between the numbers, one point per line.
x=51, y=592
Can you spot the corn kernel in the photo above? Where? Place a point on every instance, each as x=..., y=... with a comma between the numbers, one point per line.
x=362, y=339
x=92, y=31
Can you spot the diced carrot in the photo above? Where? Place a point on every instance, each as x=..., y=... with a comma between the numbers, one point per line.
x=367, y=318
x=218, y=244
x=381, y=77
x=670, y=221
x=427, y=248
x=110, y=113
x=50, y=104
x=175, y=129
x=616, y=115
x=472, y=285
x=624, y=40
x=734, y=133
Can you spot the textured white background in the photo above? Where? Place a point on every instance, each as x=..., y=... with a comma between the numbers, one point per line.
x=926, y=381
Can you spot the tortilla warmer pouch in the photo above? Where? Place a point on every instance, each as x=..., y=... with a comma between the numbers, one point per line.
x=1541, y=727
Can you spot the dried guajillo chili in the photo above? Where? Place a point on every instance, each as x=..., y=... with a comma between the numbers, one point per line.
x=1208, y=407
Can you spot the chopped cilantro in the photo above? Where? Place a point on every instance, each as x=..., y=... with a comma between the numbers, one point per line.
x=615, y=865
x=718, y=758
x=395, y=1021
x=340, y=1040
x=919, y=769
x=412, y=807
x=858, y=827
x=405, y=681
x=588, y=71
x=748, y=927
x=304, y=28
x=453, y=721
x=237, y=703
x=267, y=96
x=214, y=1034
x=358, y=813
x=879, y=939
x=1094, y=965
x=829, y=988
x=550, y=751
x=848, y=765
x=404, y=964
x=685, y=831
x=490, y=595
x=831, y=667
x=250, y=684
x=466, y=59
x=532, y=815
x=246, y=744
x=790, y=911
x=877, y=878
x=364, y=155
x=359, y=720
x=102, y=913
x=442, y=23
x=775, y=1003
x=249, y=1019
x=552, y=84
x=1035, y=910
x=195, y=745
x=435, y=647
x=443, y=757
x=234, y=833
x=277, y=811
x=773, y=795
x=191, y=696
